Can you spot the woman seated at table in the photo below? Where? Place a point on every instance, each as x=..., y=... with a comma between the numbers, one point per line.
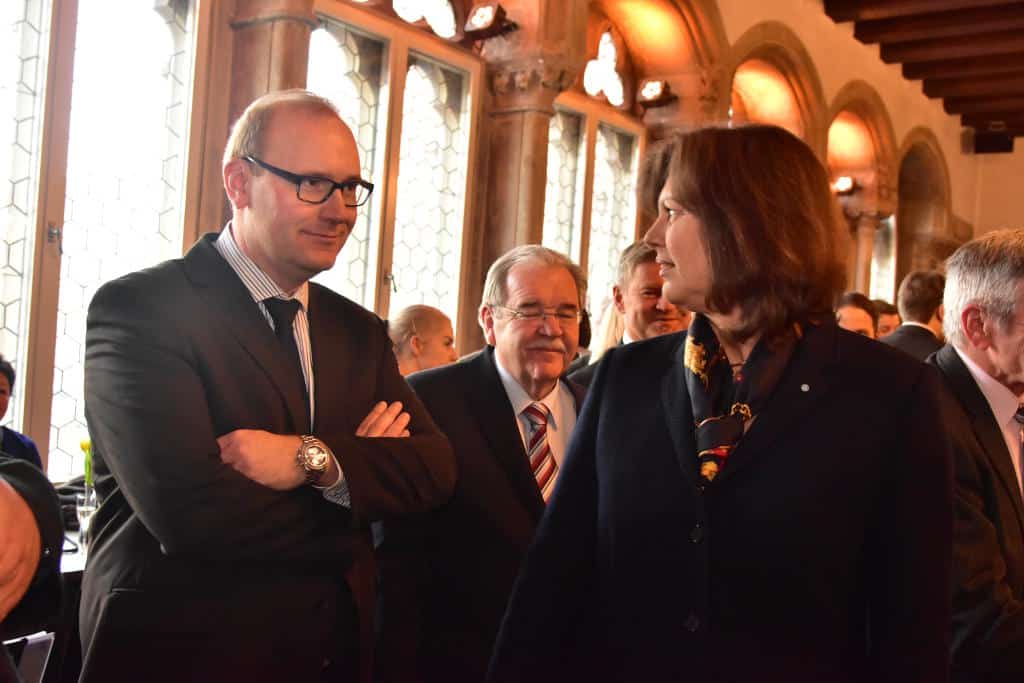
x=740, y=502
x=14, y=444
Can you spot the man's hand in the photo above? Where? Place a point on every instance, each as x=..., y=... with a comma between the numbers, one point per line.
x=266, y=458
x=385, y=420
x=269, y=459
x=20, y=546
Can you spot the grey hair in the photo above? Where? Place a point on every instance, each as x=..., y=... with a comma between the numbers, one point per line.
x=246, y=138
x=985, y=272
x=496, y=284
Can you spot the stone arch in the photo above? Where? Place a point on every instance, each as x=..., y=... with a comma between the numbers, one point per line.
x=777, y=45
x=863, y=101
x=680, y=41
x=861, y=144
x=924, y=236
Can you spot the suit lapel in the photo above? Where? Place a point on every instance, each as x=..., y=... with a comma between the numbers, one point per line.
x=223, y=289
x=494, y=414
x=328, y=338
x=983, y=422
x=800, y=390
x=675, y=401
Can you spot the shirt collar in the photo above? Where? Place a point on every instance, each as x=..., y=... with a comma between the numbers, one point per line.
x=1001, y=400
x=914, y=323
x=260, y=285
x=519, y=399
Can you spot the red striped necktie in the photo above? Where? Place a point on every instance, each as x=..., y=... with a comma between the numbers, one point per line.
x=542, y=462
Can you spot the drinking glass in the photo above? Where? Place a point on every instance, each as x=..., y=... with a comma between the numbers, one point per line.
x=85, y=507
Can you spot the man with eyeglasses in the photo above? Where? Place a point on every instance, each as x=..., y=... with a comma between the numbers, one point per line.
x=508, y=412
x=247, y=426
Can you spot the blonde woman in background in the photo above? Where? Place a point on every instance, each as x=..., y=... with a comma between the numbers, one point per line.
x=423, y=338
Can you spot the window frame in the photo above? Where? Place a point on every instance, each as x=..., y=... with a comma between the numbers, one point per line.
x=36, y=378
x=594, y=113
x=401, y=39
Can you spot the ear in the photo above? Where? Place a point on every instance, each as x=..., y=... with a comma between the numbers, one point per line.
x=617, y=299
x=486, y=318
x=415, y=345
x=236, y=175
x=940, y=313
x=976, y=326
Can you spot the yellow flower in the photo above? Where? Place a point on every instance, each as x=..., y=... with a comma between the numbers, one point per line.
x=85, y=445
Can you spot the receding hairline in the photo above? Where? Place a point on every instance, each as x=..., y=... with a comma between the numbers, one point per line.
x=249, y=131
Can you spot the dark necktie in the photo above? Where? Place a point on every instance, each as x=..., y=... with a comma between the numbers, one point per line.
x=283, y=311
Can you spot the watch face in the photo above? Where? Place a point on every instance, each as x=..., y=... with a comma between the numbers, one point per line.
x=316, y=457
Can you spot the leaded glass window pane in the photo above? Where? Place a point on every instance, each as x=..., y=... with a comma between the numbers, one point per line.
x=563, y=198
x=347, y=68
x=431, y=187
x=613, y=212
x=125, y=177
x=25, y=25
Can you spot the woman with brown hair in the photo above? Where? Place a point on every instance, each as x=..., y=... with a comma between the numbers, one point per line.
x=739, y=502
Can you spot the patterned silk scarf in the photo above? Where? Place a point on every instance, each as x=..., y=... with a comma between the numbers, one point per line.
x=723, y=402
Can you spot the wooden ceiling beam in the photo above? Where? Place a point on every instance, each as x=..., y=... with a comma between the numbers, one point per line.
x=970, y=66
x=1002, y=119
x=1012, y=132
x=864, y=10
x=980, y=105
x=941, y=24
x=936, y=49
x=993, y=86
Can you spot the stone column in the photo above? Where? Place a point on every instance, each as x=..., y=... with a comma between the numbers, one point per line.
x=526, y=70
x=864, y=236
x=271, y=48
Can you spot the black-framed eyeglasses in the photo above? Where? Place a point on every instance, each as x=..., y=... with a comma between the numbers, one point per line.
x=314, y=189
x=566, y=315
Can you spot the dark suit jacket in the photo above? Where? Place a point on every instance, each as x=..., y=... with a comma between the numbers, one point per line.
x=447, y=579
x=916, y=341
x=988, y=535
x=17, y=445
x=196, y=572
x=821, y=552
x=40, y=606
x=584, y=376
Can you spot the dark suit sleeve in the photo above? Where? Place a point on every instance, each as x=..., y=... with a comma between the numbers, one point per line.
x=151, y=428
x=911, y=557
x=543, y=636
x=988, y=618
x=393, y=477
x=41, y=603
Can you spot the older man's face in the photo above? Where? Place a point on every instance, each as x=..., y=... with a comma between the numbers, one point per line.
x=535, y=352
x=1005, y=351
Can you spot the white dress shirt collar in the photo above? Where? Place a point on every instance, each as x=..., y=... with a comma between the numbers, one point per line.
x=260, y=285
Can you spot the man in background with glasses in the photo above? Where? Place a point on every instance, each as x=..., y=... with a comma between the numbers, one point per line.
x=508, y=412
x=247, y=426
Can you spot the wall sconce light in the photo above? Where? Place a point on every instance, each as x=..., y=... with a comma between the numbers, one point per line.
x=487, y=20
x=655, y=93
x=844, y=185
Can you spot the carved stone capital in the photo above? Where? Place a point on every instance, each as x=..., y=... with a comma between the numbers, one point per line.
x=710, y=87
x=528, y=85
